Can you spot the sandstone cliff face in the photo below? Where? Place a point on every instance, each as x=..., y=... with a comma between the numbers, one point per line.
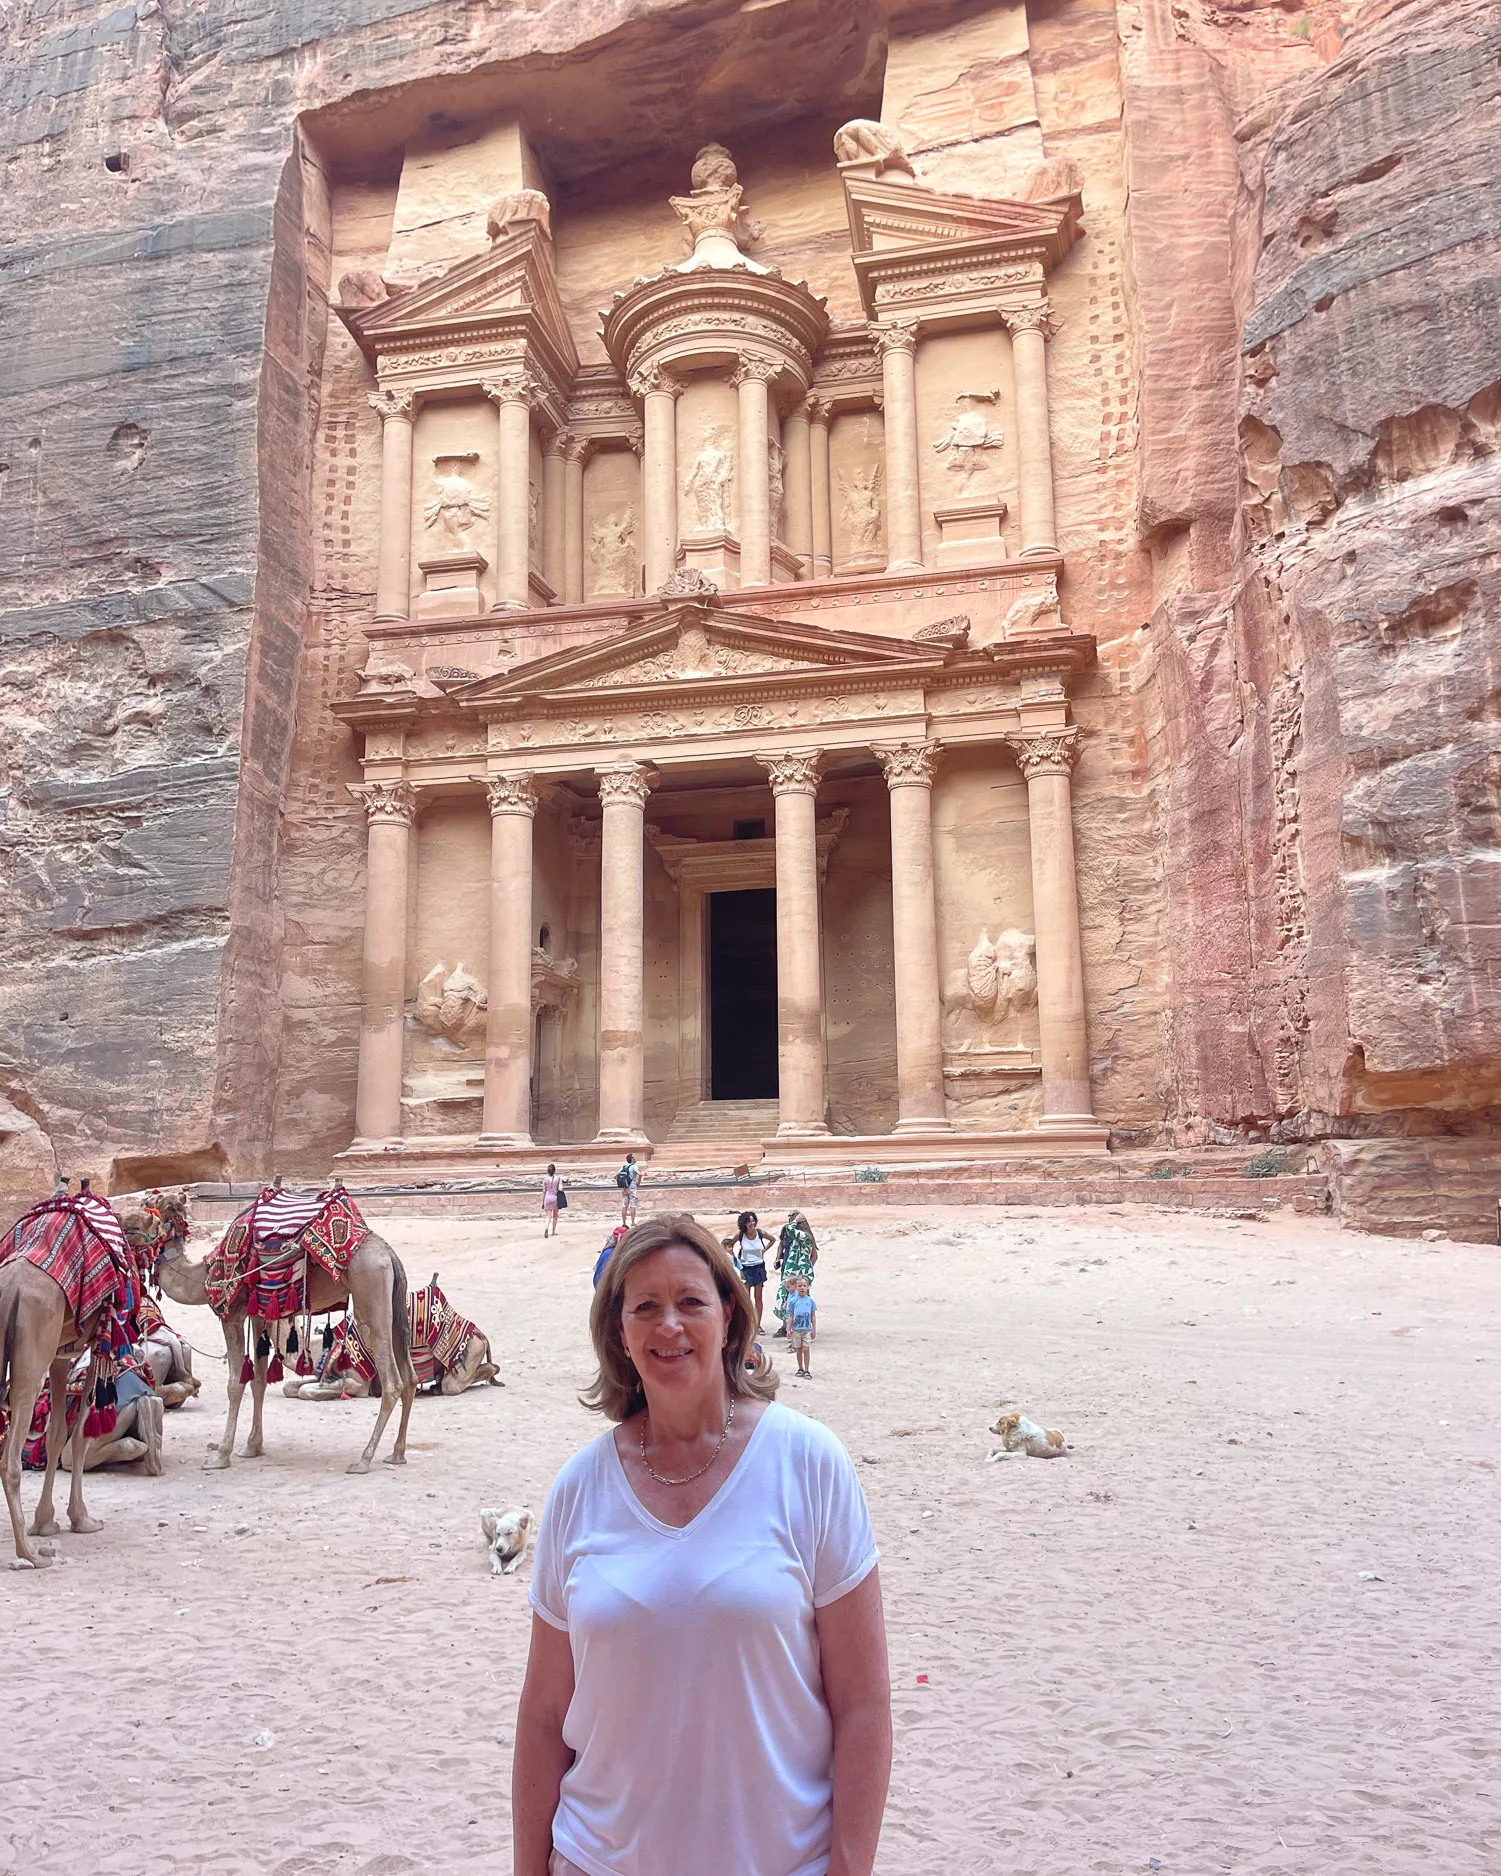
x=1327, y=637
x=1276, y=476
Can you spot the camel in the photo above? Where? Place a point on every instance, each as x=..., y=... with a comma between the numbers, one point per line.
x=341, y=1374
x=375, y=1287
x=38, y=1339
x=137, y=1432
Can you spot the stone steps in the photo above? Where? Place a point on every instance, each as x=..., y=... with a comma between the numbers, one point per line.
x=724, y=1120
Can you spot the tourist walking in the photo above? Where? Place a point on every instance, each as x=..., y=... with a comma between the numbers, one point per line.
x=748, y=1247
x=802, y=1327
x=707, y=1687
x=629, y=1181
x=797, y=1253
x=553, y=1201
x=604, y=1257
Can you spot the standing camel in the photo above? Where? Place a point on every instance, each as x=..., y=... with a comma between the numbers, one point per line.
x=39, y=1337
x=374, y=1285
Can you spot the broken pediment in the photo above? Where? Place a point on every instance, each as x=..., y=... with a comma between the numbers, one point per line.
x=508, y=293
x=693, y=646
x=912, y=244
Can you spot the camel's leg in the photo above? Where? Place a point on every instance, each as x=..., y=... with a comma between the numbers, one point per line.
x=23, y=1392
x=78, y=1515
x=256, y=1444
x=151, y=1418
x=377, y=1338
x=476, y=1366
x=234, y=1343
x=45, y=1523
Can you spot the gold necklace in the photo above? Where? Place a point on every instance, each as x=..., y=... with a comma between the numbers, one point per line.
x=728, y=1423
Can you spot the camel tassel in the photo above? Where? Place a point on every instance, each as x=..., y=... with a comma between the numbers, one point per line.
x=275, y=1371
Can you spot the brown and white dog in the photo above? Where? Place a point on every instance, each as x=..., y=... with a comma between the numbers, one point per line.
x=508, y=1534
x=1022, y=1438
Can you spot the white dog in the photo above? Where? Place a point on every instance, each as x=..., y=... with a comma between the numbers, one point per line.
x=1022, y=1438
x=508, y=1534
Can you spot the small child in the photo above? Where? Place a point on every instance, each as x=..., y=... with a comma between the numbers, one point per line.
x=802, y=1326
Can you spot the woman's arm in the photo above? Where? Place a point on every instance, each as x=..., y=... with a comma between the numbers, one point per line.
x=857, y=1687
x=540, y=1758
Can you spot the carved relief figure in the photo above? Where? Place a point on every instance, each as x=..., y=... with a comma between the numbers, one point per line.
x=999, y=980
x=456, y=504
x=520, y=206
x=534, y=524
x=972, y=430
x=452, y=1005
x=612, y=552
x=709, y=480
x=860, y=507
x=776, y=470
x=864, y=140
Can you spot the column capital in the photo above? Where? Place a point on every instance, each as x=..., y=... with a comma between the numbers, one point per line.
x=1049, y=752
x=575, y=448
x=555, y=444
x=908, y=765
x=628, y=782
x=1037, y=318
x=512, y=794
x=647, y=379
x=793, y=774
x=386, y=801
x=514, y=387
x=899, y=335
x=387, y=404
x=754, y=370
x=820, y=410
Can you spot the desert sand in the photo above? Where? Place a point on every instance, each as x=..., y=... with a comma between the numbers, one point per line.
x=1250, y=1623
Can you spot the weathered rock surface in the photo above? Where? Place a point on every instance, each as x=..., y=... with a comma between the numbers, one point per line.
x=1278, y=412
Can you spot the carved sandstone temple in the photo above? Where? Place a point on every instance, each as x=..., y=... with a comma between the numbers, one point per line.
x=664, y=647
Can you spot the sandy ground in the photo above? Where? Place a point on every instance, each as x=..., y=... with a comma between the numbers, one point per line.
x=1251, y=1623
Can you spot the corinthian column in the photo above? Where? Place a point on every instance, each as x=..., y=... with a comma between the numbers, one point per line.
x=390, y=808
x=659, y=391
x=393, y=575
x=753, y=471
x=622, y=985
x=1029, y=329
x=897, y=345
x=513, y=396
x=1047, y=760
x=800, y=1081
x=554, y=504
x=508, y=1032
x=819, y=415
x=914, y=919
x=799, y=486
x=575, y=455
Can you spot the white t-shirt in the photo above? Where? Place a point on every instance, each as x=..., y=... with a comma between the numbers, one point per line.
x=698, y=1719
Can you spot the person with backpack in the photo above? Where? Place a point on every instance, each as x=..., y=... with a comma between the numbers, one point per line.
x=629, y=1181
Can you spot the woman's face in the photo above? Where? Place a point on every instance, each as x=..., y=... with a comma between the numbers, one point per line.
x=673, y=1322
x=752, y=1223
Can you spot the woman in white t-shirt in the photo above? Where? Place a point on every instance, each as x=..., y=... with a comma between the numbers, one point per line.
x=707, y=1688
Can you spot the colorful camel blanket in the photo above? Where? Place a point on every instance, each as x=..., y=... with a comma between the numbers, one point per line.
x=260, y=1264
x=79, y=1242
x=131, y=1380
x=440, y=1340
x=77, y=1239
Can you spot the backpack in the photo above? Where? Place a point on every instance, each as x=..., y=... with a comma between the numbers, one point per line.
x=623, y=1177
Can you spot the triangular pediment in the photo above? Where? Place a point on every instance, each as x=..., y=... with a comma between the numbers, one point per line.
x=693, y=646
x=513, y=283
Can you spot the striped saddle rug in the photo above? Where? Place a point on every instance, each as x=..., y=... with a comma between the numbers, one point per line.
x=260, y=1264
x=440, y=1340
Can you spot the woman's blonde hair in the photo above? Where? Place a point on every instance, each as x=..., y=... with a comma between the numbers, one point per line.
x=616, y=1391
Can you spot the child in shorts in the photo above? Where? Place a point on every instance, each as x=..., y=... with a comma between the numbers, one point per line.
x=802, y=1326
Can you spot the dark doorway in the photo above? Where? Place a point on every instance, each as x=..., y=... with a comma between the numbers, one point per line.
x=743, y=995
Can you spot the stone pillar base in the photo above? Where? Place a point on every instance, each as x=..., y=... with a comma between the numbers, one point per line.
x=921, y=1123
x=504, y=1140
x=717, y=555
x=391, y=1143
x=1063, y=1122
x=969, y=534
x=620, y=1136
x=452, y=583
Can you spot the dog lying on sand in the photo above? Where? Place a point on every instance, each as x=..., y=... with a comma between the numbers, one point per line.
x=1022, y=1438
x=508, y=1534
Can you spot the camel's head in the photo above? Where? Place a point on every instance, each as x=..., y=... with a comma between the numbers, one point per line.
x=156, y=1221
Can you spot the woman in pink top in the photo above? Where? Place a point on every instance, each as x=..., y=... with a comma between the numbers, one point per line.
x=707, y=1687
